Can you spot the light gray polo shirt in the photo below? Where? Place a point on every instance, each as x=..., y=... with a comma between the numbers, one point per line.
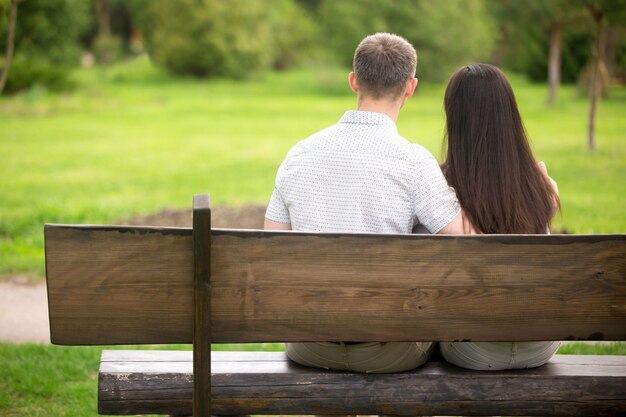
x=360, y=175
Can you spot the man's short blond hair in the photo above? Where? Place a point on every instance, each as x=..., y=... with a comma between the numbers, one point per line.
x=383, y=64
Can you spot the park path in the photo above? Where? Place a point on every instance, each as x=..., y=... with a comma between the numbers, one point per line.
x=23, y=313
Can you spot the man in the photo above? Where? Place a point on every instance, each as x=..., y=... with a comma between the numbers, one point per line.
x=360, y=175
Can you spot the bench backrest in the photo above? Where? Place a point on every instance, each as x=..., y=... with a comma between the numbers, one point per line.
x=135, y=285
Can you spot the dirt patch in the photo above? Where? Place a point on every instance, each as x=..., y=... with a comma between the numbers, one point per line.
x=250, y=216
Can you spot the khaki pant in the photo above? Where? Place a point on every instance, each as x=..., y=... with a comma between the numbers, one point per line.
x=373, y=357
x=496, y=356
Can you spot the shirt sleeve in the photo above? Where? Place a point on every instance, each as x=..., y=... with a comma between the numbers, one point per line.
x=277, y=209
x=435, y=202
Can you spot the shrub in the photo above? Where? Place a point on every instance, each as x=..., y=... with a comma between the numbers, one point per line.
x=209, y=38
x=27, y=72
x=234, y=39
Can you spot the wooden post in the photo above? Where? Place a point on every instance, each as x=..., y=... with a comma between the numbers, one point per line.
x=202, y=306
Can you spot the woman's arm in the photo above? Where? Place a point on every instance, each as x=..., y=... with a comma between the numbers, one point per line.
x=555, y=187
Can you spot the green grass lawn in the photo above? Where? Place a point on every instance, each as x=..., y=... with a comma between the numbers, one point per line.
x=132, y=140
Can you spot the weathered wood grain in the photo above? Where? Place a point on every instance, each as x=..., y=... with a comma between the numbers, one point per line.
x=116, y=285
x=267, y=383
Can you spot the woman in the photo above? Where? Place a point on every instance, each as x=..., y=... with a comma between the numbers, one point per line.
x=500, y=187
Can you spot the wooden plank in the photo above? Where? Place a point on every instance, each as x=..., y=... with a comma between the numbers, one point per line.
x=160, y=361
x=202, y=306
x=119, y=285
x=270, y=384
x=154, y=356
x=134, y=285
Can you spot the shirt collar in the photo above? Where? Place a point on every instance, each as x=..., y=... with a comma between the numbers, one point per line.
x=367, y=118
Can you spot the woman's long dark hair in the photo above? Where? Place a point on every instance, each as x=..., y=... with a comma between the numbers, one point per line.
x=489, y=161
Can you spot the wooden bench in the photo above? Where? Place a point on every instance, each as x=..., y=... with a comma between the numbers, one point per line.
x=153, y=285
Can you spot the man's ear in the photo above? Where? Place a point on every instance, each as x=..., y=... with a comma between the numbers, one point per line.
x=352, y=81
x=410, y=87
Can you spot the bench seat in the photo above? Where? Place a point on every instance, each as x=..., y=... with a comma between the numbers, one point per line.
x=153, y=381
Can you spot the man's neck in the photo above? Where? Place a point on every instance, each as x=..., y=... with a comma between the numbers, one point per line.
x=387, y=107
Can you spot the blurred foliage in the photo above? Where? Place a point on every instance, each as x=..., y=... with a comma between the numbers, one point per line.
x=614, y=24
x=28, y=72
x=241, y=38
x=46, y=42
x=614, y=10
x=445, y=34
x=294, y=34
x=524, y=35
x=4, y=7
x=107, y=49
x=529, y=51
x=118, y=41
x=51, y=29
x=215, y=38
x=525, y=30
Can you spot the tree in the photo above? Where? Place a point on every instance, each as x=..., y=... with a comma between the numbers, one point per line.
x=594, y=90
x=557, y=14
x=104, y=18
x=533, y=20
x=603, y=12
x=8, y=55
x=115, y=29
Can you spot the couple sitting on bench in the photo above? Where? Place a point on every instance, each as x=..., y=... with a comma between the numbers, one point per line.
x=360, y=175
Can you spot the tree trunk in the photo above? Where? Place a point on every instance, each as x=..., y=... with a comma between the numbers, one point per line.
x=554, y=68
x=8, y=56
x=596, y=82
x=104, y=19
x=501, y=47
x=611, y=45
